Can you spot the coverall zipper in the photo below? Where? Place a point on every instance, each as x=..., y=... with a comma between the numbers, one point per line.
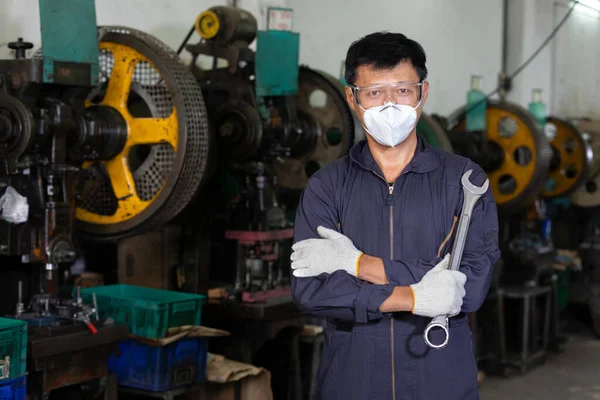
x=391, y=189
x=390, y=204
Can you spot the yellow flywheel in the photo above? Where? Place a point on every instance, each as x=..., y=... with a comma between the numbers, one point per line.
x=515, y=154
x=163, y=157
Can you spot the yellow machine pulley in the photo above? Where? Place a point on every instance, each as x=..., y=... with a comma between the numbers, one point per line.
x=519, y=154
x=207, y=24
x=515, y=154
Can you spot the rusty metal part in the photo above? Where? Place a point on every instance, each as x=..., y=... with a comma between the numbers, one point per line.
x=322, y=99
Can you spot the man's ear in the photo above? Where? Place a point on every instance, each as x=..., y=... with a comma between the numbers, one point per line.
x=425, y=93
x=350, y=98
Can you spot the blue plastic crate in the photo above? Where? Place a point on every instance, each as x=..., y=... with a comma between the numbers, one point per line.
x=14, y=389
x=151, y=368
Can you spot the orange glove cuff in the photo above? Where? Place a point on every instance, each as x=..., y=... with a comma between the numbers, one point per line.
x=358, y=263
x=412, y=310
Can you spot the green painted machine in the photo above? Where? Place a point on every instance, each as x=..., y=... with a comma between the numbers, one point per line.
x=69, y=50
x=276, y=122
x=277, y=63
x=88, y=116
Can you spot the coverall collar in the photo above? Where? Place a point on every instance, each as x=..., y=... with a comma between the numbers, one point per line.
x=425, y=160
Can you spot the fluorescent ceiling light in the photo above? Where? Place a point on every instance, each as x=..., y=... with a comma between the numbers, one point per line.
x=594, y=4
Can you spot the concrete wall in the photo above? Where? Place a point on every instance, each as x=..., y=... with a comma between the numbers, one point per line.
x=460, y=37
x=169, y=21
x=576, y=64
x=529, y=24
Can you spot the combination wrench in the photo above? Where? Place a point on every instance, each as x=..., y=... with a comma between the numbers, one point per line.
x=471, y=194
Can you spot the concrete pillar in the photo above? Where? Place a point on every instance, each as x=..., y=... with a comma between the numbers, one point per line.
x=529, y=24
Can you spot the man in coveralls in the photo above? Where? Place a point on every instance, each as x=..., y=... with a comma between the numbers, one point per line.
x=372, y=237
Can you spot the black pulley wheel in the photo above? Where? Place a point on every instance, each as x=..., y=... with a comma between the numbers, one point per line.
x=322, y=100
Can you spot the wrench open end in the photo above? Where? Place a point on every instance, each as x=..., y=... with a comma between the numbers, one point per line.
x=476, y=190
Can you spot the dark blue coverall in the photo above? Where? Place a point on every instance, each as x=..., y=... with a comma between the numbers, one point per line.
x=410, y=224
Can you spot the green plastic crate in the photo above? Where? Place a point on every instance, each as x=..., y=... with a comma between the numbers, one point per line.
x=148, y=312
x=13, y=348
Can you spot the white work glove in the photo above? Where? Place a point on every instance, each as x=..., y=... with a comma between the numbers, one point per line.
x=440, y=291
x=15, y=208
x=312, y=257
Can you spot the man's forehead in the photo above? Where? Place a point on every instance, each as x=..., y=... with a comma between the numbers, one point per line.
x=402, y=72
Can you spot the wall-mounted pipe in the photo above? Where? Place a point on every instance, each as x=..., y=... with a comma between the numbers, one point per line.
x=502, y=83
x=505, y=37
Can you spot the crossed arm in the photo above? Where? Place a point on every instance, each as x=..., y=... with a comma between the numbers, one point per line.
x=381, y=286
x=371, y=269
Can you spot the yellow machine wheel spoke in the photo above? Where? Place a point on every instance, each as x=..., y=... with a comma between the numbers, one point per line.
x=120, y=177
x=119, y=84
x=153, y=130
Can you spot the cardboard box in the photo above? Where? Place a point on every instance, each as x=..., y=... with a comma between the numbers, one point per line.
x=232, y=380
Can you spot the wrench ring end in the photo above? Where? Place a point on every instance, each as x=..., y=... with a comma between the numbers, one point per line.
x=432, y=325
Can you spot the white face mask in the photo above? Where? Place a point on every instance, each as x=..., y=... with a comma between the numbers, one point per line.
x=390, y=124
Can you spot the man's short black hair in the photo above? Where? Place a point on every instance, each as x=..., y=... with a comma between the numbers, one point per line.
x=384, y=50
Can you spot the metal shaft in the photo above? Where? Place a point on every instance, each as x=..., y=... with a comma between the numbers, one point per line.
x=20, y=305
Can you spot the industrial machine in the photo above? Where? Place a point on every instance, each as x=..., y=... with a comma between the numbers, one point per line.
x=526, y=162
x=586, y=195
x=584, y=285
x=273, y=124
x=103, y=135
x=534, y=163
x=512, y=151
x=276, y=123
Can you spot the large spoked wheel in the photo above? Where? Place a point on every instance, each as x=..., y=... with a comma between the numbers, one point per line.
x=165, y=155
x=326, y=115
x=519, y=150
x=587, y=195
x=571, y=158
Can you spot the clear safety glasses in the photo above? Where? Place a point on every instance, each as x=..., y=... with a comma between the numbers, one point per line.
x=401, y=93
